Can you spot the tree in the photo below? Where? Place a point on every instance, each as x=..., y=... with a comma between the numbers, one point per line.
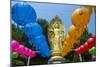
x=44, y=24
x=17, y=34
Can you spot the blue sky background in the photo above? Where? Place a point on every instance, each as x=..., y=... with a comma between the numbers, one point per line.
x=64, y=11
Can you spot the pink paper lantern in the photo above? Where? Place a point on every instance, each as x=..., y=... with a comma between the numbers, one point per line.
x=15, y=45
x=26, y=51
x=20, y=49
x=33, y=54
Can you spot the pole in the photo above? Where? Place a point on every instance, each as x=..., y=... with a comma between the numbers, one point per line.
x=80, y=57
x=28, y=62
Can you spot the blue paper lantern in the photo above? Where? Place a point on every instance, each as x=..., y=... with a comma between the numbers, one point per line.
x=42, y=45
x=33, y=30
x=23, y=13
x=30, y=41
x=34, y=33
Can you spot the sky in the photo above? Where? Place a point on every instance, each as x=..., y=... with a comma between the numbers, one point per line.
x=64, y=11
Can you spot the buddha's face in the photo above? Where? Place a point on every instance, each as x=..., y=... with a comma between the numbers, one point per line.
x=56, y=35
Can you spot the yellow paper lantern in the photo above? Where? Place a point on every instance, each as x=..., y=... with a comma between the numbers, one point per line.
x=68, y=44
x=66, y=49
x=73, y=32
x=69, y=39
x=80, y=31
x=80, y=17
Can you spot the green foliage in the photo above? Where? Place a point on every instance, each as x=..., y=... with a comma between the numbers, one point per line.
x=18, y=63
x=17, y=34
x=84, y=36
x=92, y=50
x=44, y=24
x=39, y=60
x=14, y=55
x=72, y=57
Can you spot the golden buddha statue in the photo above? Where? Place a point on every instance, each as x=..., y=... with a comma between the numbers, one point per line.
x=56, y=38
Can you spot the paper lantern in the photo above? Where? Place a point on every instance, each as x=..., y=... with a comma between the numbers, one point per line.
x=41, y=45
x=20, y=49
x=14, y=45
x=23, y=13
x=28, y=52
x=74, y=32
x=34, y=33
x=91, y=41
x=33, y=30
x=86, y=46
x=66, y=49
x=32, y=53
x=67, y=46
x=69, y=39
x=80, y=17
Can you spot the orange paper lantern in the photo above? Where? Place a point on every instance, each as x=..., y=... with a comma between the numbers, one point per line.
x=80, y=17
